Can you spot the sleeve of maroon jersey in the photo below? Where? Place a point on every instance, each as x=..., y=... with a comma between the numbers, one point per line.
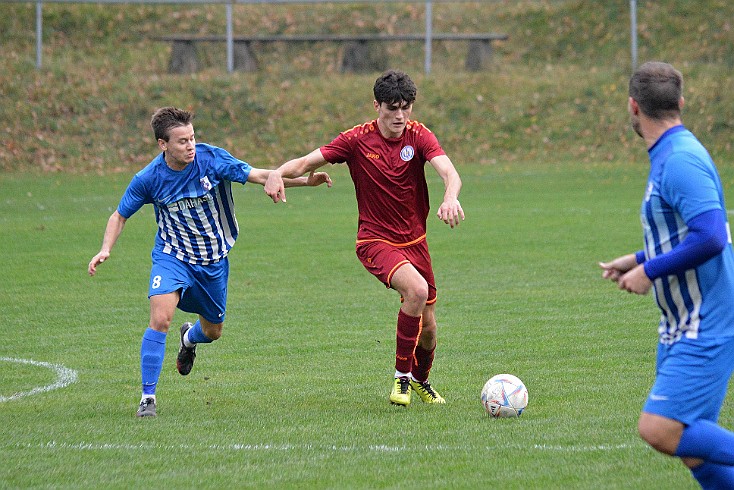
x=340, y=149
x=429, y=145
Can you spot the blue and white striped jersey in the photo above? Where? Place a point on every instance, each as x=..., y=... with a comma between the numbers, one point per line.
x=194, y=207
x=683, y=183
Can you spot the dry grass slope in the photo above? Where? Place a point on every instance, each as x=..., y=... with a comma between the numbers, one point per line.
x=557, y=90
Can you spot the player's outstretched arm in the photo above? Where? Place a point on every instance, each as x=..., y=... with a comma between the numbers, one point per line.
x=314, y=179
x=278, y=179
x=450, y=211
x=114, y=227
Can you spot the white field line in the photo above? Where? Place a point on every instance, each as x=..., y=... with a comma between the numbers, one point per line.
x=254, y=448
x=65, y=377
x=68, y=376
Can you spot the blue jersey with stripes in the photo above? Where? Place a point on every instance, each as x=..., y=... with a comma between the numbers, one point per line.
x=194, y=207
x=683, y=183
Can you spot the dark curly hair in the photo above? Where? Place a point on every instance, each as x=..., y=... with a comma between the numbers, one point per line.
x=393, y=87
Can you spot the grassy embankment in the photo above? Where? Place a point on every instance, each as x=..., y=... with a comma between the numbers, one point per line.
x=556, y=92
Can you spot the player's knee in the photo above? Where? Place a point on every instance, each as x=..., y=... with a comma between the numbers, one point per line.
x=417, y=295
x=160, y=323
x=656, y=436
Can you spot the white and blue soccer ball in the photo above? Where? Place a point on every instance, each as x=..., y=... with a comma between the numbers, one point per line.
x=504, y=395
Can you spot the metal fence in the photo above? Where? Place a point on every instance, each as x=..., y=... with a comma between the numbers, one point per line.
x=229, y=31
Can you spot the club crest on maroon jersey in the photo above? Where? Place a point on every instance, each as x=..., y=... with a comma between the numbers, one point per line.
x=407, y=153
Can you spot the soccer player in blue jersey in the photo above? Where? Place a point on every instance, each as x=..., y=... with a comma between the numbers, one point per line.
x=189, y=186
x=689, y=263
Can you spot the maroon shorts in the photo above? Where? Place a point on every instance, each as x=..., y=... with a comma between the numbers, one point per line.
x=382, y=259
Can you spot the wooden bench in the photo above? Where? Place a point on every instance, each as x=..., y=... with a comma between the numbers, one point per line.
x=356, y=57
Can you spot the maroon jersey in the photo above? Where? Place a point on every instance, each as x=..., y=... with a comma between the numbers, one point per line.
x=389, y=179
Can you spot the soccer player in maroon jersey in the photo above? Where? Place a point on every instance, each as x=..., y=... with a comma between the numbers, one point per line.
x=386, y=159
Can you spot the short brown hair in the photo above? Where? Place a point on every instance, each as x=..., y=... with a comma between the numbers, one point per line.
x=657, y=87
x=167, y=118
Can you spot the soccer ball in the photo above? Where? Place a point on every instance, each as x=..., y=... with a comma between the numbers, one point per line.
x=504, y=395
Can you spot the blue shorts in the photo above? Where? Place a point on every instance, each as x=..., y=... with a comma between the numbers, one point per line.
x=203, y=287
x=691, y=380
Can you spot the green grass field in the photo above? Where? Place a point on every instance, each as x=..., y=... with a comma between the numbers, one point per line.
x=294, y=395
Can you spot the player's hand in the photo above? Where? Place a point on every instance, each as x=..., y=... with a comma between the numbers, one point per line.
x=317, y=178
x=274, y=187
x=609, y=272
x=96, y=260
x=627, y=273
x=635, y=281
x=450, y=212
x=614, y=269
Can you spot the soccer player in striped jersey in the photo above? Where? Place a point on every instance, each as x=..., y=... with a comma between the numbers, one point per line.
x=189, y=185
x=386, y=159
x=688, y=261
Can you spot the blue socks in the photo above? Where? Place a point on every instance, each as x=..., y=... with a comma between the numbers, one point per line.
x=706, y=440
x=151, y=359
x=196, y=334
x=713, y=476
x=152, y=351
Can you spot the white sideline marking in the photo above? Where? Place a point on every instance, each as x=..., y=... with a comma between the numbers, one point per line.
x=89, y=446
x=65, y=377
